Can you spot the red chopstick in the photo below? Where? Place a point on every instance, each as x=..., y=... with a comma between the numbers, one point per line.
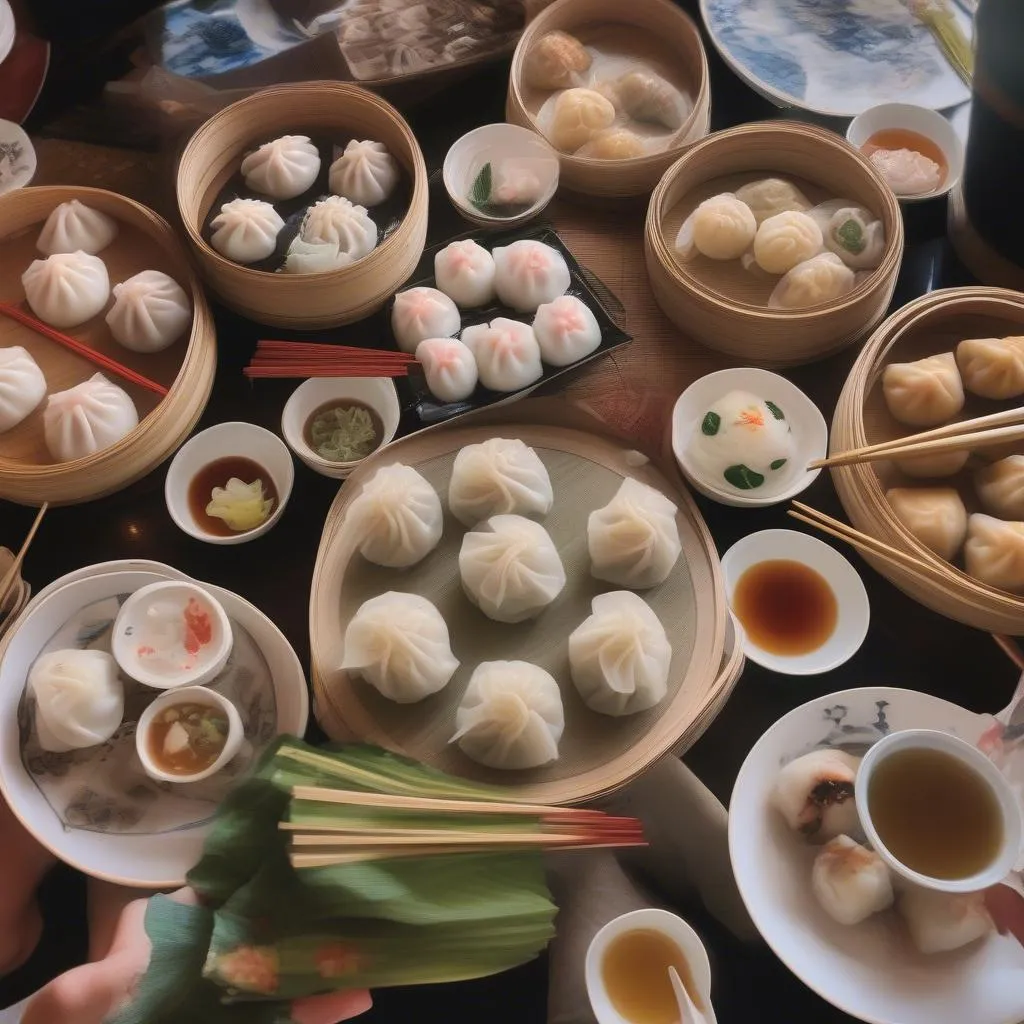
x=120, y=370
x=314, y=359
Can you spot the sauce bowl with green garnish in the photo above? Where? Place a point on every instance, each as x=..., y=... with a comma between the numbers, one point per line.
x=333, y=423
x=500, y=175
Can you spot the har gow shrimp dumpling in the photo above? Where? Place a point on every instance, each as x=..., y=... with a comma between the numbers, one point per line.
x=578, y=115
x=555, y=61
x=647, y=97
x=449, y=367
x=822, y=278
x=1000, y=487
x=283, y=168
x=75, y=227
x=529, y=273
x=944, y=464
x=992, y=367
x=464, y=271
x=785, y=240
x=67, y=288
x=721, y=228
x=924, y=393
x=22, y=386
x=770, y=196
x=936, y=516
x=506, y=352
x=150, y=312
x=613, y=144
x=994, y=552
x=422, y=313
x=566, y=330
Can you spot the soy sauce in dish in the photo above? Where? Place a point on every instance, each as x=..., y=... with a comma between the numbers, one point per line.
x=786, y=607
x=186, y=738
x=343, y=430
x=217, y=474
x=935, y=814
x=634, y=969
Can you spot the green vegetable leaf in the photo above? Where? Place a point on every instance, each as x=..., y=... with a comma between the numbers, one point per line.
x=779, y=463
x=850, y=236
x=480, y=193
x=743, y=478
x=775, y=410
x=711, y=424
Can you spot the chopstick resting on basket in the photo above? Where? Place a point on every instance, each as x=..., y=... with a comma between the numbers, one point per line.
x=998, y=428
x=311, y=359
x=105, y=362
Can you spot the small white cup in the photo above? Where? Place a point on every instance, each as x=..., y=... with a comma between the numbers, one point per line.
x=931, y=739
x=189, y=695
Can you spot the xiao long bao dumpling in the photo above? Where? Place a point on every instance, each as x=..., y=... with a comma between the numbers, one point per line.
x=421, y=313
x=499, y=476
x=555, y=61
x=924, y=393
x=449, y=368
x=464, y=271
x=634, y=540
x=936, y=516
x=820, y=279
x=150, y=312
x=721, y=228
x=366, y=173
x=87, y=418
x=507, y=354
x=994, y=552
x=67, y=289
x=336, y=221
x=398, y=516
x=785, y=240
x=22, y=386
x=529, y=273
x=620, y=656
x=1000, y=487
x=283, y=168
x=578, y=115
x=566, y=330
x=75, y=227
x=246, y=230
x=511, y=716
x=770, y=196
x=399, y=644
x=510, y=568
x=992, y=367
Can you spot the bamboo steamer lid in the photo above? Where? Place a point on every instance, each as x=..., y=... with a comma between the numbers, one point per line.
x=724, y=306
x=660, y=27
x=302, y=301
x=145, y=241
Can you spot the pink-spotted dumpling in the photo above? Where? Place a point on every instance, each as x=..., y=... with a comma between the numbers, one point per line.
x=566, y=330
x=529, y=273
x=449, y=366
x=506, y=352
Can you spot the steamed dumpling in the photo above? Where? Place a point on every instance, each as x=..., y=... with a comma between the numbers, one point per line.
x=246, y=230
x=647, y=97
x=852, y=233
x=511, y=716
x=421, y=313
x=850, y=882
x=566, y=330
x=940, y=922
x=507, y=354
x=770, y=196
x=150, y=312
x=815, y=794
x=721, y=228
x=785, y=240
x=22, y=386
x=510, y=568
x=578, y=115
x=67, y=288
x=366, y=173
x=620, y=656
x=634, y=540
x=398, y=517
x=613, y=144
x=464, y=271
x=336, y=221
x=75, y=227
x=936, y=516
x=992, y=367
x=314, y=257
x=822, y=278
x=1000, y=487
x=555, y=61
x=529, y=273
x=449, y=367
x=399, y=644
x=924, y=393
x=283, y=168
x=498, y=476
x=87, y=418
x=994, y=552
x=943, y=464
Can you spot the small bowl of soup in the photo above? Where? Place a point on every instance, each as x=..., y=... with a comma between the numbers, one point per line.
x=916, y=150
x=230, y=483
x=333, y=423
x=188, y=735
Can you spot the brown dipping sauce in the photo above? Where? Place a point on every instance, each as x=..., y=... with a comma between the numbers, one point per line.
x=217, y=474
x=785, y=607
x=200, y=734
x=635, y=974
x=935, y=814
x=903, y=138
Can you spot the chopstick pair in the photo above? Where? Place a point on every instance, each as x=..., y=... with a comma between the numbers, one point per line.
x=14, y=571
x=998, y=428
x=311, y=359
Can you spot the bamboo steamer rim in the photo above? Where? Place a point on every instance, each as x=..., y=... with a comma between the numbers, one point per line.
x=187, y=394
x=250, y=106
x=667, y=193
x=568, y=15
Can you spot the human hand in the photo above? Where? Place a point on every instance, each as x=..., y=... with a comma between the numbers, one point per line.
x=1006, y=906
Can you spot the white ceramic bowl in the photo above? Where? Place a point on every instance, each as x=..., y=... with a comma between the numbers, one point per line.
x=810, y=433
x=932, y=739
x=224, y=440
x=189, y=695
x=130, y=629
x=854, y=611
x=674, y=928
x=493, y=144
x=377, y=392
x=929, y=123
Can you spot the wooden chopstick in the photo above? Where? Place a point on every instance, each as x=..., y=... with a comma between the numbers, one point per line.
x=106, y=362
x=14, y=570
x=443, y=838
x=1010, y=649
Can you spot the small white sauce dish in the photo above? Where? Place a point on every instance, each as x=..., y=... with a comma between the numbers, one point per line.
x=189, y=695
x=853, y=608
x=226, y=440
x=673, y=928
x=500, y=145
x=378, y=393
x=170, y=635
x=909, y=117
x=932, y=739
x=809, y=431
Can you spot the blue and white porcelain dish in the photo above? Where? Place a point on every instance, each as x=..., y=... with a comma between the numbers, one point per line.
x=834, y=57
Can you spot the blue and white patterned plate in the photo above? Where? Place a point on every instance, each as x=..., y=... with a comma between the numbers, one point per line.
x=834, y=57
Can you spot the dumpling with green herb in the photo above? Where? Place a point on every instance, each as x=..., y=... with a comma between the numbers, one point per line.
x=853, y=233
x=743, y=443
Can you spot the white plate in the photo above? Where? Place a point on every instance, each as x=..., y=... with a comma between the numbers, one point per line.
x=151, y=861
x=869, y=971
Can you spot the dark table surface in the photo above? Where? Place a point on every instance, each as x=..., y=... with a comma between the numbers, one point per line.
x=907, y=645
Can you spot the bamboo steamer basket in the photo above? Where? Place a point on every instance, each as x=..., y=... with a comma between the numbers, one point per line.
x=302, y=301
x=656, y=26
x=725, y=307
x=599, y=754
x=932, y=324
x=28, y=475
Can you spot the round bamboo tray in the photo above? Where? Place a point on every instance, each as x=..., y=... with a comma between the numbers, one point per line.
x=302, y=301
x=28, y=474
x=930, y=325
x=598, y=754
x=724, y=306
x=648, y=28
